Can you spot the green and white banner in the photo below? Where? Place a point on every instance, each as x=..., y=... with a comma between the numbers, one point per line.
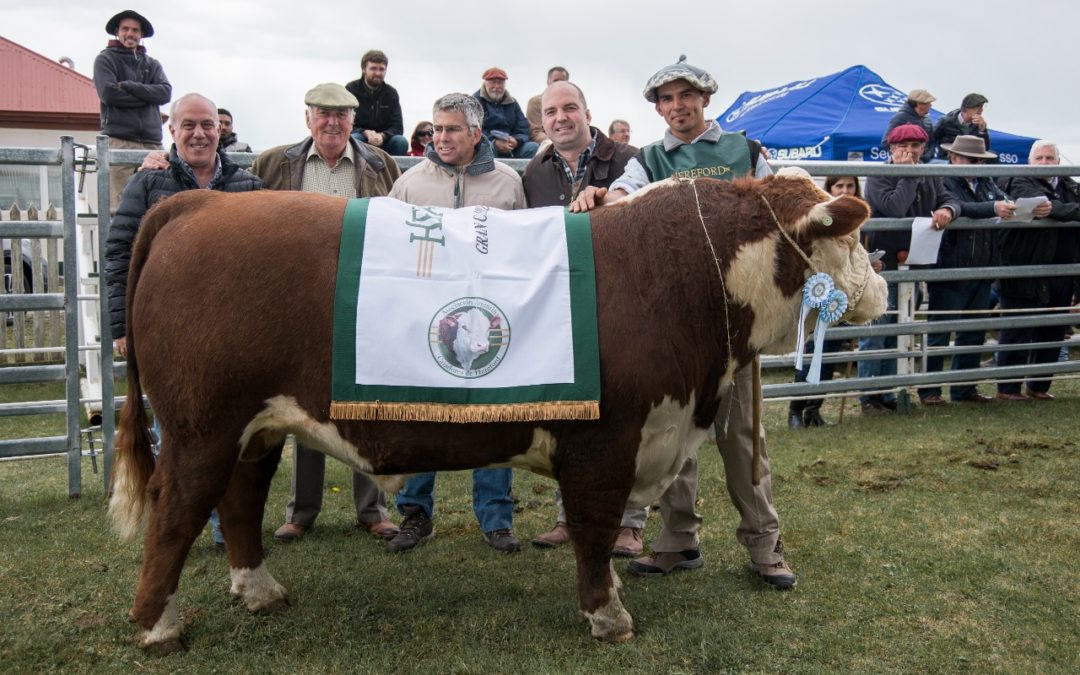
x=464, y=315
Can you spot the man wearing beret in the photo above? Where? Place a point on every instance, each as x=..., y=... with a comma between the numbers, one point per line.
x=504, y=123
x=132, y=87
x=692, y=145
x=967, y=120
x=916, y=110
x=330, y=162
x=900, y=197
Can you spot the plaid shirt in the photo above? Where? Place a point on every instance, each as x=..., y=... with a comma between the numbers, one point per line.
x=582, y=163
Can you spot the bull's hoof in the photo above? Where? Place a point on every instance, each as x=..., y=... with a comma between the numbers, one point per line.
x=611, y=623
x=260, y=592
x=270, y=607
x=623, y=637
x=161, y=647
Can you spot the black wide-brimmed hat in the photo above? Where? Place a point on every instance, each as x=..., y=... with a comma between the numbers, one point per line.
x=114, y=23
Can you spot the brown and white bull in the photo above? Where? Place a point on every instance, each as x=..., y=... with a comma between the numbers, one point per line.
x=233, y=345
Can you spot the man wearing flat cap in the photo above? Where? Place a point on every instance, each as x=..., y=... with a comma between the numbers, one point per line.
x=916, y=110
x=131, y=87
x=694, y=145
x=899, y=197
x=504, y=124
x=967, y=120
x=330, y=162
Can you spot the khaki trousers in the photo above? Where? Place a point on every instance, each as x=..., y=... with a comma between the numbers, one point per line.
x=309, y=470
x=119, y=175
x=759, y=527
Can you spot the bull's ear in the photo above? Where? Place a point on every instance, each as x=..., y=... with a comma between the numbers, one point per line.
x=838, y=217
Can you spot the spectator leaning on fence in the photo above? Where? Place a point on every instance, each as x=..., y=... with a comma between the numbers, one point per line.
x=899, y=197
x=979, y=197
x=329, y=162
x=916, y=110
x=132, y=86
x=1039, y=246
x=967, y=120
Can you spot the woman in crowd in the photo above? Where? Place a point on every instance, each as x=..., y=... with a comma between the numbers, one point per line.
x=421, y=136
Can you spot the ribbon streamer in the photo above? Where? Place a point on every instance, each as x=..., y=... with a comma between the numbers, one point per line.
x=829, y=314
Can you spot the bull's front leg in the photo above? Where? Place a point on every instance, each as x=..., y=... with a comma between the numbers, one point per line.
x=594, y=500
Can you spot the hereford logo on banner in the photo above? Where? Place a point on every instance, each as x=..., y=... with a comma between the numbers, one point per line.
x=423, y=308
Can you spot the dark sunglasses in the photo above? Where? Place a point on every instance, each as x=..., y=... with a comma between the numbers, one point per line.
x=429, y=132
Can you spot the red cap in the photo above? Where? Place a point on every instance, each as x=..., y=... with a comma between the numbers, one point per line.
x=494, y=74
x=907, y=132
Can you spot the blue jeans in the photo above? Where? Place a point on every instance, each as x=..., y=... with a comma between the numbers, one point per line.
x=492, y=504
x=882, y=366
x=397, y=146
x=955, y=295
x=524, y=151
x=1060, y=295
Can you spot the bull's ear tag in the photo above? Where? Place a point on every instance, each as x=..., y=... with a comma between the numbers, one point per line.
x=826, y=221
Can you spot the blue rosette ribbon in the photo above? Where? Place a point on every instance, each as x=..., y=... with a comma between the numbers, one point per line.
x=816, y=292
x=831, y=312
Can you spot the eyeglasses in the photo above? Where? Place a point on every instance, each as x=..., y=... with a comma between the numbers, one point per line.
x=426, y=132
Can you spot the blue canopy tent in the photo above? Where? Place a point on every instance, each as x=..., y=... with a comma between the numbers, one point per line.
x=836, y=117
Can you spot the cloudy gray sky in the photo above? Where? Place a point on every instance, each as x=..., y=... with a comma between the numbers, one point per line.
x=257, y=58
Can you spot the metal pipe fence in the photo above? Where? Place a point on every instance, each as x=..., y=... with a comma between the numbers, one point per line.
x=908, y=327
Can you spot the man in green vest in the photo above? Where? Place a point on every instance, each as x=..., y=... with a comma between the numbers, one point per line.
x=694, y=146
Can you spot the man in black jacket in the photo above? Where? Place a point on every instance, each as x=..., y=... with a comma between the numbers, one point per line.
x=916, y=110
x=979, y=197
x=131, y=86
x=1042, y=246
x=967, y=120
x=378, y=117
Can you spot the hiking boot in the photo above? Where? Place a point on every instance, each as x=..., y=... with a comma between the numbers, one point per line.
x=290, y=532
x=812, y=418
x=503, y=541
x=558, y=536
x=628, y=543
x=659, y=564
x=416, y=528
x=777, y=574
x=795, y=420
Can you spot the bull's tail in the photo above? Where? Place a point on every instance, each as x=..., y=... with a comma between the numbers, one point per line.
x=134, y=460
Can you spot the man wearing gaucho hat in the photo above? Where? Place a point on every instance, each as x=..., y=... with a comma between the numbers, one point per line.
x=978, y=197
x=694, y=145
x=131, y=86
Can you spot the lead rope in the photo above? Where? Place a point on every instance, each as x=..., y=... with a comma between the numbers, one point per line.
x=755, y=364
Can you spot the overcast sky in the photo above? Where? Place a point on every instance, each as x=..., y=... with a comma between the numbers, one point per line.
x=257, y=58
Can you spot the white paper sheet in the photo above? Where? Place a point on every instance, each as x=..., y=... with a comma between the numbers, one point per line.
x=925, y=241
x=1025, y=207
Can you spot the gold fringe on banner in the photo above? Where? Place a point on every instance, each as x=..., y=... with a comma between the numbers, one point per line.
x=465, y=413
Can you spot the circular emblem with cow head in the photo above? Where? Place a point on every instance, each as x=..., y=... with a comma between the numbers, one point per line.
x=469, y=337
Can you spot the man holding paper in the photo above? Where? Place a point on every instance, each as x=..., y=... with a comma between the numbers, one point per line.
x=900, y=197
x=1044, y=246
x=979, y=197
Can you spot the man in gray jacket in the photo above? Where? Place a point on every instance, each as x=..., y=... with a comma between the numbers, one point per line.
x=132, y=87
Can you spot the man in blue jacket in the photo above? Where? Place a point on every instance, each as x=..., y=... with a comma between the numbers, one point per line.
x=132, y=87
x=504, y=123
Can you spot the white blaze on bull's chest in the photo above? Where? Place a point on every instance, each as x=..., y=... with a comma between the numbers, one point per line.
x=751, y=280
x=668, y=437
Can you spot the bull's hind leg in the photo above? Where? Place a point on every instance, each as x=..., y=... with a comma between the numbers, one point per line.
x=594, y=505
x=241, y=510
x=185, y=486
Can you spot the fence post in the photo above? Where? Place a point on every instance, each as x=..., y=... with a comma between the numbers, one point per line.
x=71, y=316
x=905, y=314
x=108, y=383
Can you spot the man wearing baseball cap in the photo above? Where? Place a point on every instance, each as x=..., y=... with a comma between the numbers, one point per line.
x=694, y=145
x=967, y=120
x=330, y=162
x=899, y=197
x=131, y=87
x=504, y=124
x=916, y=110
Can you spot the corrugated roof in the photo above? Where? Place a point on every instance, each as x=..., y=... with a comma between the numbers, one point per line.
x=38, y=91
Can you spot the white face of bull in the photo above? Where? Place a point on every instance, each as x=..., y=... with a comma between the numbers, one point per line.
x=835, y=250
x=472, y=338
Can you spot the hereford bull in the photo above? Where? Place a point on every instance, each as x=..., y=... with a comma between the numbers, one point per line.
x=233, y=346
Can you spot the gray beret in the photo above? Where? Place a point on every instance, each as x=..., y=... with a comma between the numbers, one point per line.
x=700, y=79
x=330, y=95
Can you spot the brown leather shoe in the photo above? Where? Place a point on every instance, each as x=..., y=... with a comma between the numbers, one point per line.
x=662, y=563
x=932, y=400
x=290, y=532
x=974, y=397
x=628, y=543
x=1039, y=395
x=383, y=529
x=1004, y=396
x=558, y=536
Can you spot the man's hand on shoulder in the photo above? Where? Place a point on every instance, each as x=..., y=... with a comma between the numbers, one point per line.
x=155, y=161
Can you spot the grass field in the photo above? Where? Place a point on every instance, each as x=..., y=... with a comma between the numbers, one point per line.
x=942, y=541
